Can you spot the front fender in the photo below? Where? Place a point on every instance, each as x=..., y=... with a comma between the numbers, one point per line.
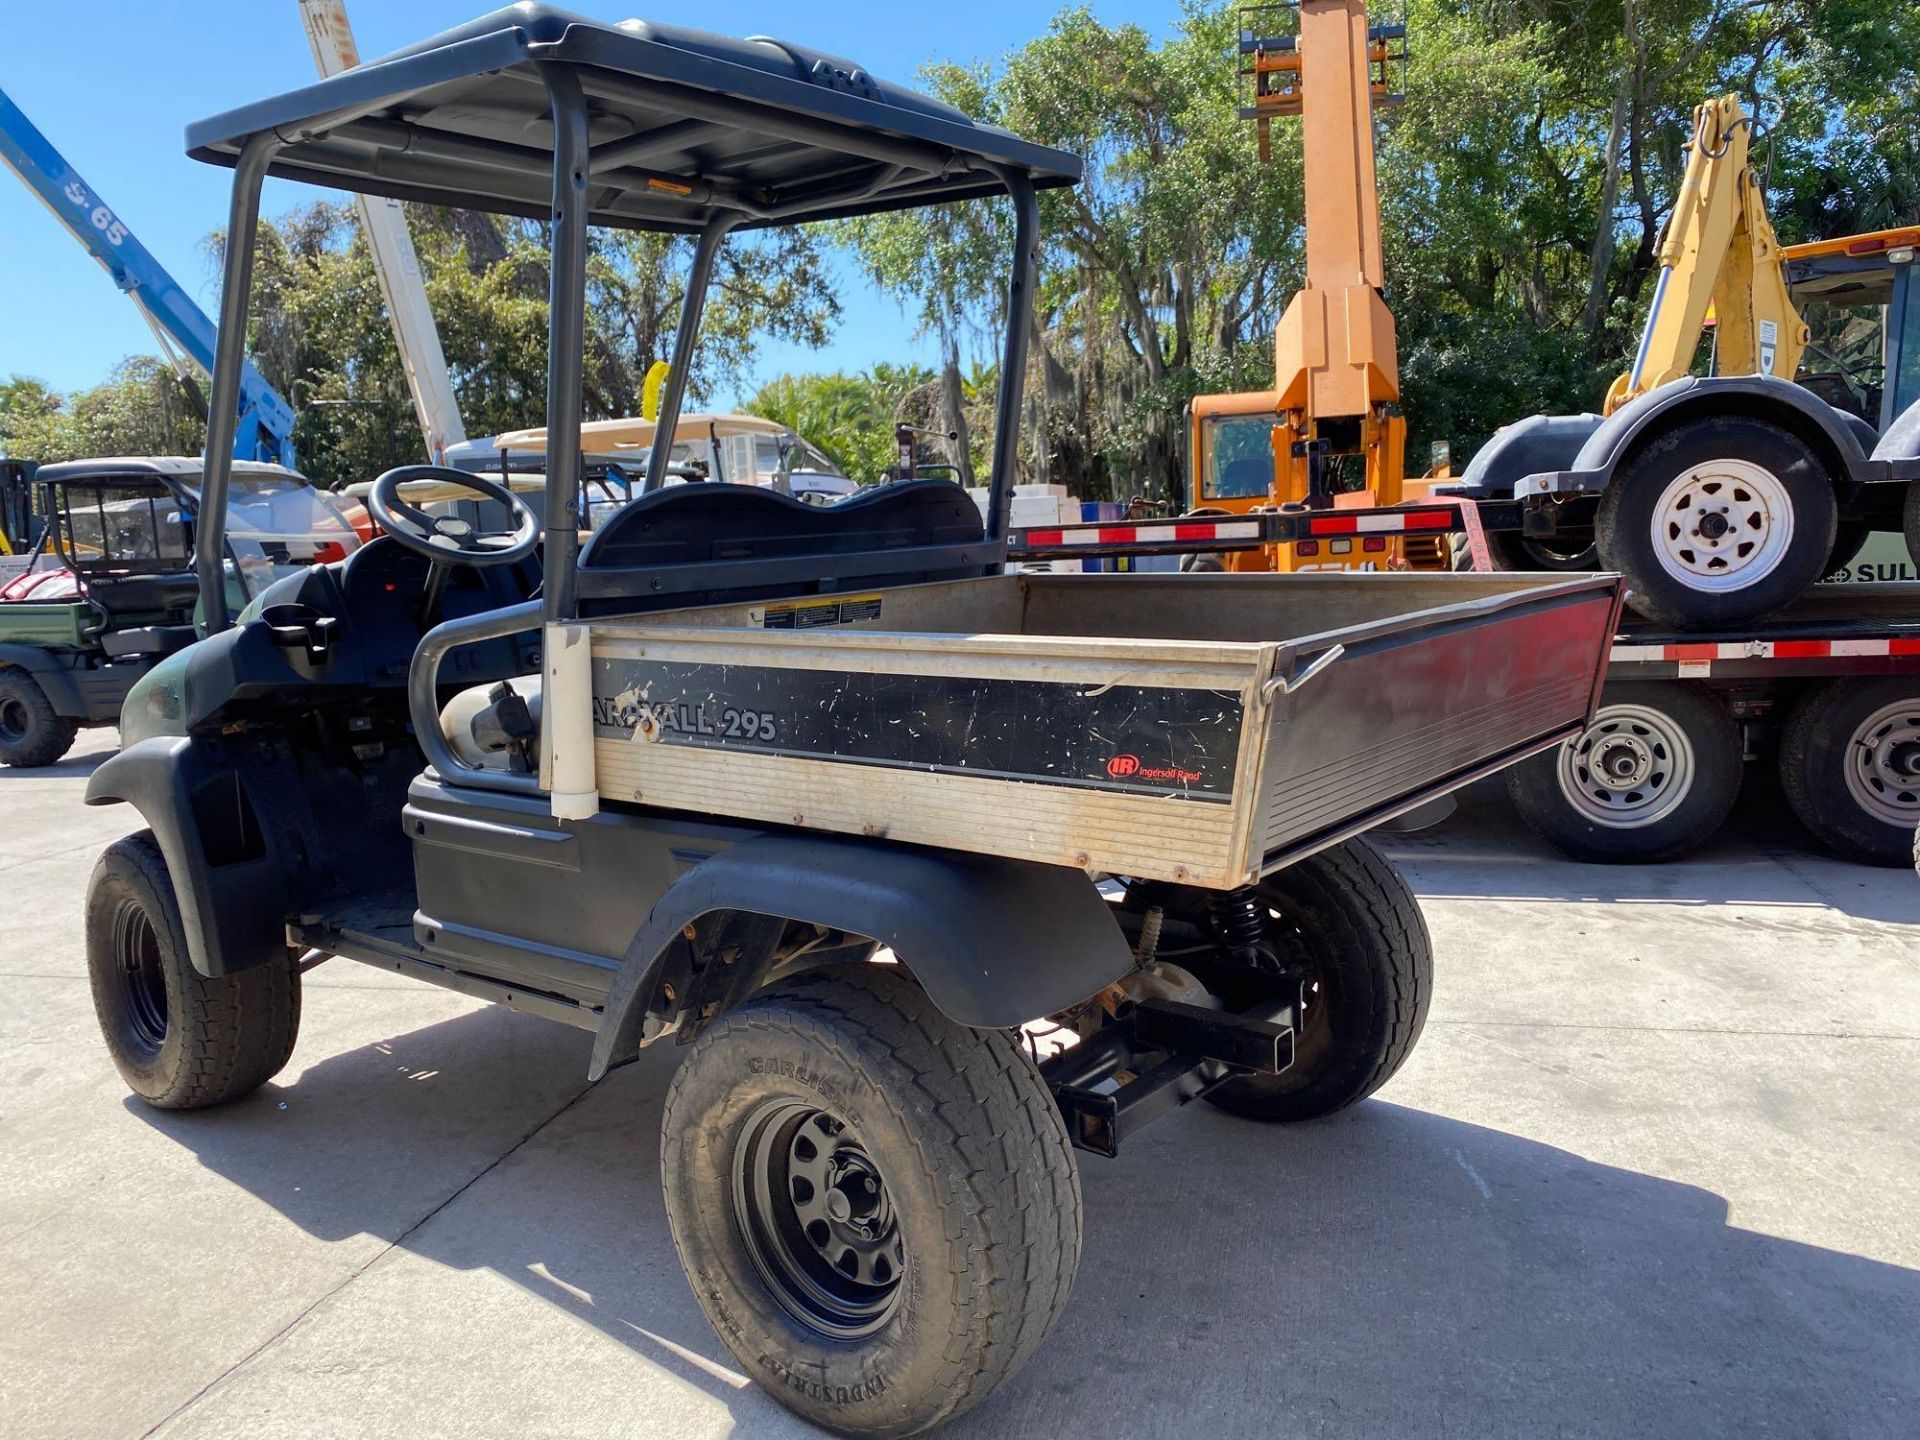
x=227, y=875
x=994, y=942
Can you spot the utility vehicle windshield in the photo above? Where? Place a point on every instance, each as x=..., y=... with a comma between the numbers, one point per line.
x=276, y=524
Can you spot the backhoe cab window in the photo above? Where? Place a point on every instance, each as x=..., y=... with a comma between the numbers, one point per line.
x=1238, y=452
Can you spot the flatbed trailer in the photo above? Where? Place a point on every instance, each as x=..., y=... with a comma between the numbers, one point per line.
x=1822, y=699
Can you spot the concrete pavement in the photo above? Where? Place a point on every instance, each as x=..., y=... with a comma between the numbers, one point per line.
x=1651, y=1172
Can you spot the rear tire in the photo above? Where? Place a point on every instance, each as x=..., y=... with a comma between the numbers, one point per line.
x=1347, y=923
x=1910, y=523
x=1717, y=522
x=1849, y=539
x=31, y=735
x=181, y=1040
x=1651, y=778
x=1575, y=551
x=920, y=1292
x=1850, y=765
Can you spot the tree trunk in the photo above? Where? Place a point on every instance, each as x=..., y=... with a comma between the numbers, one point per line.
x=1600, y=258
x=953, y=409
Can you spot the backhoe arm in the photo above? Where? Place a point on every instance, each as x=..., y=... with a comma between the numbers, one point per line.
x=1719, y=247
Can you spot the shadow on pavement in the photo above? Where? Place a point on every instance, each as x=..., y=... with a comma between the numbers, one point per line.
x=72, y=768
x=1386, y=1272
x=1761, y=857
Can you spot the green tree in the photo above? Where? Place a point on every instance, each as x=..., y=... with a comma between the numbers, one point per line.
x=320, y=335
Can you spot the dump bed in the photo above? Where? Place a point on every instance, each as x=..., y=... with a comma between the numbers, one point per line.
x=1196, y=728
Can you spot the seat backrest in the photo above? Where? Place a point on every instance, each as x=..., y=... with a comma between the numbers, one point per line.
x=708, y=542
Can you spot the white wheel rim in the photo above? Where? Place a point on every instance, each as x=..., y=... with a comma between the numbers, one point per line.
x=1630, y=768
x=1883, y=764
x=1722, y=525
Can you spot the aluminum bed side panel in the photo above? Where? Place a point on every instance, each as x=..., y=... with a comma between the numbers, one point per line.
x=1404, y=717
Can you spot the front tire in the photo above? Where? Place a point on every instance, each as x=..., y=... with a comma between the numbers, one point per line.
x=1652, y=777
x=878, y=1209
x=31, y=734
x=181, y=1040
x=1345, y=922
x=1718, y=521
x=1850, y=765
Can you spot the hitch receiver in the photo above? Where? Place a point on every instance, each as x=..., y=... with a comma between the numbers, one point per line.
x=1157, y=1056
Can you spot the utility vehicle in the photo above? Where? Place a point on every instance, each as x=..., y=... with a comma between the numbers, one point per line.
x=817, y=791
x=108, y=587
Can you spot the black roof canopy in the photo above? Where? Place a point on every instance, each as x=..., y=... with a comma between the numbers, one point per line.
x=686, y=127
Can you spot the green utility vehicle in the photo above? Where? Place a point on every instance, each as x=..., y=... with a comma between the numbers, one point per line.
x=107, y=586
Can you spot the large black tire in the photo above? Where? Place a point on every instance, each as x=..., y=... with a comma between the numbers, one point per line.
x=1347, y=923
x=1651, y=778
x=1850, y=766
x=31, y=735
x=1574, y=551
x=1738, y=469
x=181, y=1041
x=970, y=1238
x=1849, y=539
x=1910, y=522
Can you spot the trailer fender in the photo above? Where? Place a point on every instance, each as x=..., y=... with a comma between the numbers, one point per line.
x=1526, y=447
x=1822, y=428
x=226, y=873
x=55, y=680
x=994, y=942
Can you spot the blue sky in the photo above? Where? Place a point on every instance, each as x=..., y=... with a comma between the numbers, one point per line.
x=113, y=83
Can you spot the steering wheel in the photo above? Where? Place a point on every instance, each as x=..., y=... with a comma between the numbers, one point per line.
x=447, y=539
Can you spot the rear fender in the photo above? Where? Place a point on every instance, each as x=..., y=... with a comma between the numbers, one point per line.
x=54, y=678
x=993, y=942
x=227, y=871
x=1900, y=446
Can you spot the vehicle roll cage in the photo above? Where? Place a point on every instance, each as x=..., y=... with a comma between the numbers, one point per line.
x=851, y=146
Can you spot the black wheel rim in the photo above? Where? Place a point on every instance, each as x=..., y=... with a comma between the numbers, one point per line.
x=143, y=984
x=818, y=1222
x=14, y=720
x=1290, y=952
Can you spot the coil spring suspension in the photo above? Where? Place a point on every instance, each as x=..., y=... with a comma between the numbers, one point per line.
x=1241, y=922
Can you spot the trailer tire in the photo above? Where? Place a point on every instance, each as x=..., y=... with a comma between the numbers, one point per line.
x=181, y=1040
x=1764, y=485
x=31, y=734
x=1850, y=766
x=1679, y=763
x=1346, y=921
x=968, y=1235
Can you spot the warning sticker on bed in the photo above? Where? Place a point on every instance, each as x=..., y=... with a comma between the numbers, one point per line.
x=814, y=614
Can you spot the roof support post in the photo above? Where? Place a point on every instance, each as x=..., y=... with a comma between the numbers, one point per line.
x=1013, y=363
x=223, y=400
x=566, y=336
x=705, y=251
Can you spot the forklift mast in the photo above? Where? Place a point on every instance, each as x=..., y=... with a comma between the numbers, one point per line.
x=1719, y=248
x=1335, y=355
x=1336, y=363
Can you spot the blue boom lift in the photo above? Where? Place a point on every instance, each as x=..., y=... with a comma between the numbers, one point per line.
x=265, y=427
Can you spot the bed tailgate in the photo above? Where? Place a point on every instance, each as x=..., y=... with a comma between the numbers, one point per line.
x=1374, y=720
